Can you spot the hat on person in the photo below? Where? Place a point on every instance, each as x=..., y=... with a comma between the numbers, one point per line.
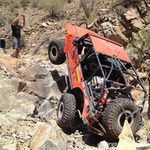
x=6, y=34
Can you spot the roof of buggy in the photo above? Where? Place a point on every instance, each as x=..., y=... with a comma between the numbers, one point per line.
x=101, y=44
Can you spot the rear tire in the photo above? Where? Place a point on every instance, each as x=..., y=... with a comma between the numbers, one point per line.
x=56, y=51
x=66, y=111
x=113, y=117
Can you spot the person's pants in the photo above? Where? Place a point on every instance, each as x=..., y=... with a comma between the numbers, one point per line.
x=16, y=43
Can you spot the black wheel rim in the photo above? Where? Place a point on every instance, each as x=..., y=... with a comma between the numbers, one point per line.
x=53, y=52
x=60, y=110
x=121, y=118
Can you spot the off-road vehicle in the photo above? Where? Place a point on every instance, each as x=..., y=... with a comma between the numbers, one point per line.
x=101, y=78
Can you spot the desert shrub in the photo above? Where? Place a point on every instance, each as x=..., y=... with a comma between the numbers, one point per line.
x=2, y=19
x=124, y=3
x=88, y=7
x=121, y=10
x=8, y=29
x=5, y=2
x=91, y=17
x=44, y=41
x=24, y=2
x=23, y=42
x=141, y=40
x=34, y=3
x=16, y=4
x=69, y=1
x=1, y=34
x=11, y=19
x=12, y=8
x=53, y=6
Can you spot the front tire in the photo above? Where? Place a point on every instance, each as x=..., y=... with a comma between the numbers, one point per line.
x=66, y=111
x=56, y=51
x=113, y=117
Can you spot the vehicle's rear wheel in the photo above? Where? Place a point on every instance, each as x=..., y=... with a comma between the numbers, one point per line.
x=56, y=51
x=66, y=111
x=113, y=117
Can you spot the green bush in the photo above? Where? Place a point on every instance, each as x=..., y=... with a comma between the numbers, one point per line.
x=69, y=1
x=53, y=6
x=16, y=4
x=24, y=2
x=5, y=2
x=91, y=17
x=23, y=42
x=121, y=10
x=11, y=19
x=12, y=8
x=124, y=3
x=142, y=40
x=2, y=20
x=87, y=7
x=34, y=3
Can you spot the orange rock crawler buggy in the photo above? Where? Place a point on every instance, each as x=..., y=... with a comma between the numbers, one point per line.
x=100, y=90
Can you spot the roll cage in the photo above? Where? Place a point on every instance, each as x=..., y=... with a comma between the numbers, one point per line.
x=113, y=71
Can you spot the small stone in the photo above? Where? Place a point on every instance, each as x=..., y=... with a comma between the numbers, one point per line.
x=78, y=137
x=4, y=129
x=26, y=148
x=10, y=146
x=53, y=123
x=103, y=144
x=22, y=141
x=12, y=130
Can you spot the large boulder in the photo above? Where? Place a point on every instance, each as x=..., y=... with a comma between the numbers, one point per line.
x=114, y=33
x=48, y=137
x=132, y=13
x=43, y=82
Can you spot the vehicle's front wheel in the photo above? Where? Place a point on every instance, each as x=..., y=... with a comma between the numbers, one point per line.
x=66, y=111
x=56, y=51
x=114, y=117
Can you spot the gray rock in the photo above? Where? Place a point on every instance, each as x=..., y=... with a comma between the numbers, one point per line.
x=49, y=115
x=1, y=147
x=33, y=73
x=46, y=137
x=132, y=13
x=103, y=145
x=27, y=97
x=142, y=7
x=43, y=82
x=137, y=24
x=10, y=146
x=44, y=107
x=114, y=33
x=142, y=146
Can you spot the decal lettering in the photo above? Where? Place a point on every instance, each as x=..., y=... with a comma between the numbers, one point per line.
x=78, y=75
x=85, y=95
x=74, y=55
x=86, y=102
x=83, y=85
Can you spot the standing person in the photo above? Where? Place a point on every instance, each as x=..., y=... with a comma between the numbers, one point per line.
x=2, y=43
x=16, y=35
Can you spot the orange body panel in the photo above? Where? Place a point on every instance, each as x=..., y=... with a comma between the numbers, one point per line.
x=101, y=44
x=77, y=77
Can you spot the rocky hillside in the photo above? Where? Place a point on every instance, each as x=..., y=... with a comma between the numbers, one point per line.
x=31, y=86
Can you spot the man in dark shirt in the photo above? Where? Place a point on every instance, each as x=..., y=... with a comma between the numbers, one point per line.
x=16, y=35
x=2, y=43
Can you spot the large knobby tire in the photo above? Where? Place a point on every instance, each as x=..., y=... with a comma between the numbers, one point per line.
x=66, y=111
x=113, y=117
x=56, y=51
